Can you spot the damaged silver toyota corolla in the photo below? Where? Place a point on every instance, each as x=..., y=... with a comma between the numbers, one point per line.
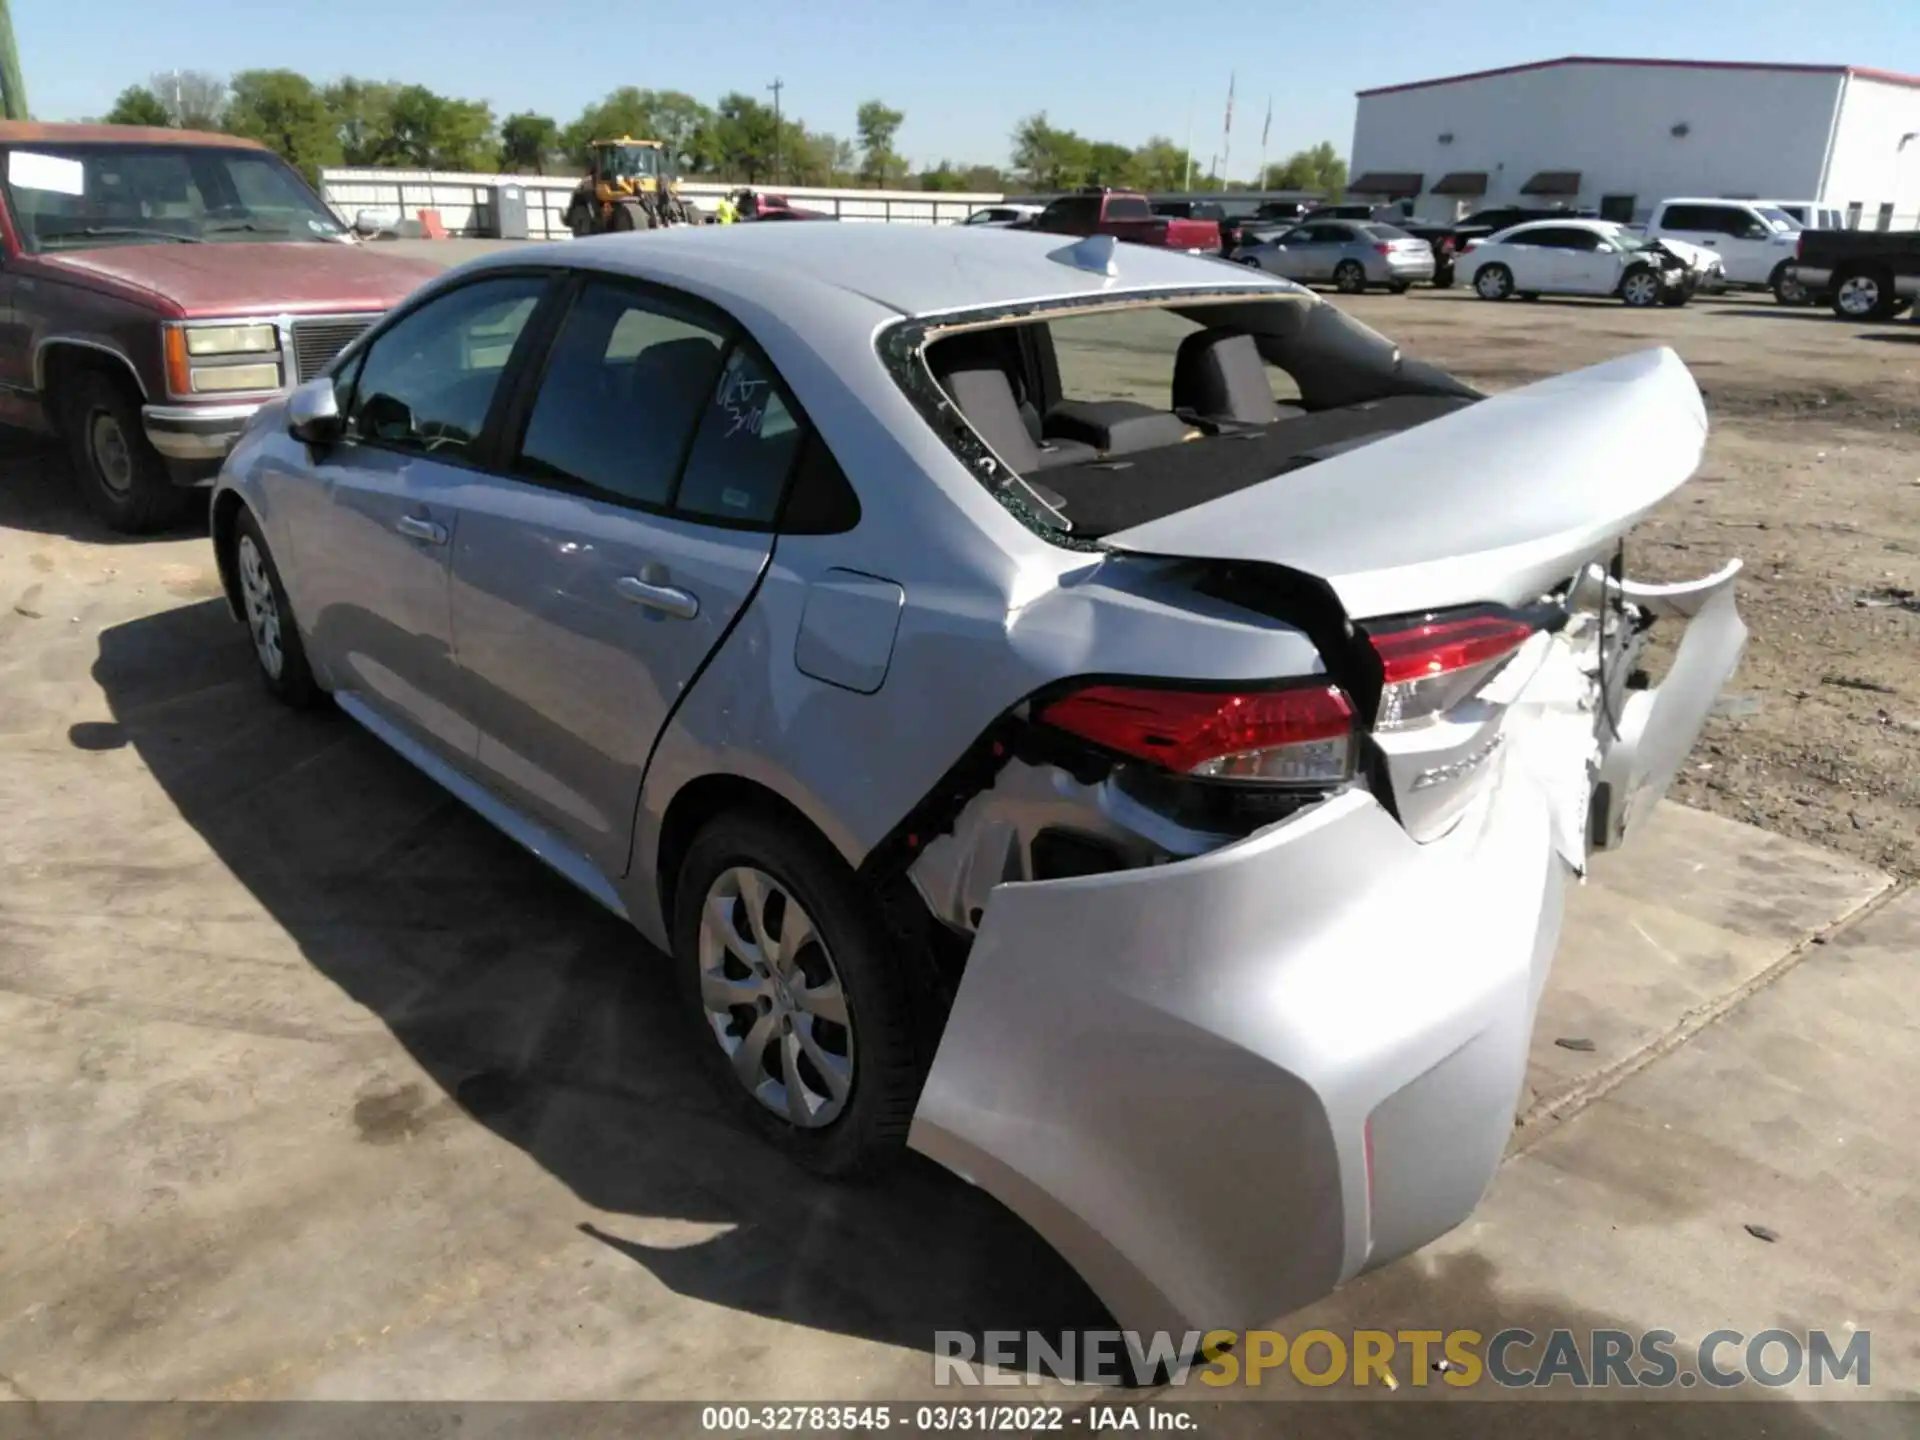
x=1099, y=717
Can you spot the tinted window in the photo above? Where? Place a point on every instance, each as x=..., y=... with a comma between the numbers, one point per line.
x=1075, y=210
x=1709, y=219
x=427, y=383
x=1386, y=232
x=745, y=447
x=1128, y=207
x=627, y=380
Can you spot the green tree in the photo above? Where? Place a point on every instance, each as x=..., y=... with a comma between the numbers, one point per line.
x=1109, y=164
x=281, y=109
x=1319, y=168
x=137, y=105
x=1159, y=165
x=677, y=120
x=743, y=138
x=362, y=112
x=426, y=131
x=1046, y=158
x=941, y=177
x=877, y=125
x=526, y=140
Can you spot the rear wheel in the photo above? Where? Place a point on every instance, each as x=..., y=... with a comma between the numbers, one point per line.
x=1863, y=295
x=1493, y=282
x=1400, y=287
x=631, y=215
x=119, y=473
x=1786, y=289
x=801, y=1009
x=1640, y=287
x=1349, y=277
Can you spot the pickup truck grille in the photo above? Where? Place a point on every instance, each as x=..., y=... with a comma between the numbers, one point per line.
x=315, y=342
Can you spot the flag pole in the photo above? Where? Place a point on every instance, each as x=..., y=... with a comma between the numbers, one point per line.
x=1226, y=135
x=1260, y=180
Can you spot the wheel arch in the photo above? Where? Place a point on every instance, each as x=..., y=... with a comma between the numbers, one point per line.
x=58, y=359
x=700, y=800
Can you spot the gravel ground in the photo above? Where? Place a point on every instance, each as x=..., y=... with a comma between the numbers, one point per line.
x=1812, y=477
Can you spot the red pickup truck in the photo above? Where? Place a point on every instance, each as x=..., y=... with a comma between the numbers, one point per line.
x=1125, y=215
x=158, y=287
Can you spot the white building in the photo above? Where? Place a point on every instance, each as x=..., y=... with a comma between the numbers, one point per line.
x=1622, y=135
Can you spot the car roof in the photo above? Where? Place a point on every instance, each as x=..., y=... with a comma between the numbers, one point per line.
x=21, y=132
x=912, y=270
x=1710, y=200
x=1572, y=222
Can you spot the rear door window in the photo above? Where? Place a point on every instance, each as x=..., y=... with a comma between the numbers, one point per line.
x=624, y=387
x=748, y=440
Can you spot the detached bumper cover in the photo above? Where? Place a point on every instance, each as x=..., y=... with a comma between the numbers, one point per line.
x=197, y=432
x=1170, y=1073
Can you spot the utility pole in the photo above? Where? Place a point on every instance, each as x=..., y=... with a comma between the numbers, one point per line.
x=776, y=87
x=1187, y=183
x=13, y=89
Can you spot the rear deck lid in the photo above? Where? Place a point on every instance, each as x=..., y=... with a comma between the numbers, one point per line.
x=1499, y=501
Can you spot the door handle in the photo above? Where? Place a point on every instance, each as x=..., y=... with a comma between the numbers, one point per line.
x=416, y=527
x=667, y=599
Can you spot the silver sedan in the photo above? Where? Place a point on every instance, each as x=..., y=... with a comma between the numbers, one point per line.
x=1350, y=255
x=1029, y=741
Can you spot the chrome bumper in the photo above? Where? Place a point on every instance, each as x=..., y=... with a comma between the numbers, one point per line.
x=196, y=432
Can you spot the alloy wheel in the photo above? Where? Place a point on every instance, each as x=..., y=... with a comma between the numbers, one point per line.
x=773, y=998
x=1491, y=284
x=263, y=610
x=1858, y=295
x=112, y=455
x=1641, y=289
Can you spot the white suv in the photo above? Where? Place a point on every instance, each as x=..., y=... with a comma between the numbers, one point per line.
x=1755, y=241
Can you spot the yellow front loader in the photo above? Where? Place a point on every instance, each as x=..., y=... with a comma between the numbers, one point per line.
x=630, y=187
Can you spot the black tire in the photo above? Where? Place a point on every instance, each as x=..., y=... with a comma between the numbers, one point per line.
x=1532, y=297
x=117, y=471
x=1641, y=288
x=1786, y=290
x=1400, y=287
x=1493, y=282
x=1349, y=277
x=290, y=680
x=627, y=216
x=1864, y=294
x=869, y=1129
x=1675, y=298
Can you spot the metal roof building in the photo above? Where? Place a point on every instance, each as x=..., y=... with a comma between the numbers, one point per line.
x=1621, y=135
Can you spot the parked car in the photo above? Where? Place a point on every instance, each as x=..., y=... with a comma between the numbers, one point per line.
x=1389, y=214
x=799, y=610
x=1579, y=257
x=1755, y=242
x=996, y=217
x=1125, y=215
x=1868, y=274
x=130, y=336
x=752, y=205
x=1449, y=240
x=1351, y=255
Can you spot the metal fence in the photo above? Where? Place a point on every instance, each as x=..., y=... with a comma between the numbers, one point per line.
x=465, y=202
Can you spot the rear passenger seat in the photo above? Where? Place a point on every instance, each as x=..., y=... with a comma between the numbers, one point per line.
x=1218, y=375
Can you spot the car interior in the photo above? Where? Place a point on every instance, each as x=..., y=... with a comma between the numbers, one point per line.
x=1109, y=464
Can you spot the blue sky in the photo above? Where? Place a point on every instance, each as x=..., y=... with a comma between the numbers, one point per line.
x=964, y=71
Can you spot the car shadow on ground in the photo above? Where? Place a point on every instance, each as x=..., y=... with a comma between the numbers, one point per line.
x=544, y=1018
x=1909, y=336
x=39, y=496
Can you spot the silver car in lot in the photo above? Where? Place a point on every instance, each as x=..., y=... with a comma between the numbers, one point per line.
x=1158, y=811
x=1350, y=255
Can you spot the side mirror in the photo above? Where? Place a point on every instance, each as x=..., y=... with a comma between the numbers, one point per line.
x=313, y=413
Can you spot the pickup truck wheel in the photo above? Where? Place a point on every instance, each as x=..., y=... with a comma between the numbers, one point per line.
x=263, y=604
x=1349, y=278
x=800, y=1007
x=1787, y=290
x=119, y=474
x=1493, y=282
x=1863, y=295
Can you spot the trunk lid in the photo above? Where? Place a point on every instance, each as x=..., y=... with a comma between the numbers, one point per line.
x=1500, y=501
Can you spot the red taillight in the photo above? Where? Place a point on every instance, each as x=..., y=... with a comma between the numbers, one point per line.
x=1301, y=735
x=1385, y=247
x=1430, y=665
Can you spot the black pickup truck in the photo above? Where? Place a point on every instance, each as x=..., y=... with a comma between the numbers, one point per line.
x=1863, y=274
